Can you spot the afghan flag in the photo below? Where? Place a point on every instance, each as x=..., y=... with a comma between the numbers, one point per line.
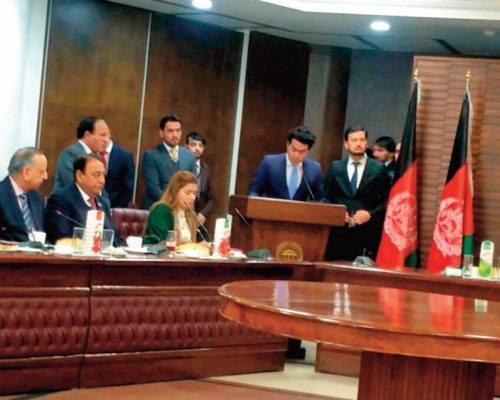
x=398, y=246
x=453, y=233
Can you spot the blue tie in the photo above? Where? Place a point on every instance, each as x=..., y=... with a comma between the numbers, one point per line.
x=354, y=179
x=294, y=181
x=25, y=210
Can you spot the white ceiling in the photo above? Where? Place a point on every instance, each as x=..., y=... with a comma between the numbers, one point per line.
x=419, y=26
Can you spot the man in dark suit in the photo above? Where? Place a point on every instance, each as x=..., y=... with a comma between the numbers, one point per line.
x=21, y=205
x=165, y=159
x=362, y=185
x=120, y=170
x=205, y=197
x=67, y=208
x=93, y=135
x=290, y=175
x=384, y=150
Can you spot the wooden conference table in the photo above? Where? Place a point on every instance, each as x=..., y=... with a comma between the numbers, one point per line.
x=430, y=346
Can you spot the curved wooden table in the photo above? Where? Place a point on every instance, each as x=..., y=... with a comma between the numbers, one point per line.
x=417, y=346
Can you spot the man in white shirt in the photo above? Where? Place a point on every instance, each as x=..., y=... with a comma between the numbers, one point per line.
x=93, y=135
x=67, y=207
x=362, y=185
x=163, y=161
x=205, y=197
x=384, y=150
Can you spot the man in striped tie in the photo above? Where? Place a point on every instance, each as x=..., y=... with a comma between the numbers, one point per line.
x=21, y=205
x=205, y=197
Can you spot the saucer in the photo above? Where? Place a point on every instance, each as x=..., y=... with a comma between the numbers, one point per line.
x=140, y=250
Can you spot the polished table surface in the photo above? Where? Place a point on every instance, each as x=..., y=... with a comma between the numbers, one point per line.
x=426, y=327
x=409, y=278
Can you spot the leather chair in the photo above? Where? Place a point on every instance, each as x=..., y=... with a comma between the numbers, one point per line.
x=129, y=221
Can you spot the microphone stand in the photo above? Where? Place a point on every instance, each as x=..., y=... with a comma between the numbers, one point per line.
x=262, y=252
x=307, y=184
x=199, y=221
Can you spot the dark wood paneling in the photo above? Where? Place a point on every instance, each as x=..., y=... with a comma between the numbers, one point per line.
x=274, y=100
x=193, y=72
x=330, y=145
x=95, y=64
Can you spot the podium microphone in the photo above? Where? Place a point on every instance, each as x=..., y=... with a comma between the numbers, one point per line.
x=260, y=253
x=201, y=223
x=69, y=219
x=307, y=184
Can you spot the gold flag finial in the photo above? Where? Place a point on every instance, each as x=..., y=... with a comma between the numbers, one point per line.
x=415, y=74
x=467, y=79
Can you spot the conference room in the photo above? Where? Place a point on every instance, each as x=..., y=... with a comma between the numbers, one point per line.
x=244, y=74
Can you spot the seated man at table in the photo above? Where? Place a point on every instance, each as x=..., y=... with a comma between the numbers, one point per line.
x=21, y=205
x=67, y=207
x=290, y=175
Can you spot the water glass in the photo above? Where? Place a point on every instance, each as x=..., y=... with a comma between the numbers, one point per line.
x=171, y=240
x=467, y=264
x=108, y=235
x=78, y=240
x=496, y=271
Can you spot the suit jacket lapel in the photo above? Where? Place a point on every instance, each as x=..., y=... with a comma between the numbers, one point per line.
x=13, y=205
x=203, y=177
x=281, y=177
x=344, y=182
x=111, y=160
x=367, y=175
x=35, y=210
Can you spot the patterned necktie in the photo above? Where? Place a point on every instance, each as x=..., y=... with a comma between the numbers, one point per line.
x=174, y=155
x=354, y=179
x=25, y=210
x=294, y=181
x=103, y=158
x=198, y=180
x=93, y=205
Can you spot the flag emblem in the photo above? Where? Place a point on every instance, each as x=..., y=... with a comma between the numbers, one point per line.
x=400, y=221
x=448, y=231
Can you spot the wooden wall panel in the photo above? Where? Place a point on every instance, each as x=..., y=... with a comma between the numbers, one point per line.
x=95, y=64
x=331, y=142
x=443, y=85
x=275, y=95
x=193, y=72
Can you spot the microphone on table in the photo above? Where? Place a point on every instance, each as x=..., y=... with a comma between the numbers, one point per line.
x=69, y=218
x=199, y=221
x=263, y=252
x=307, y=184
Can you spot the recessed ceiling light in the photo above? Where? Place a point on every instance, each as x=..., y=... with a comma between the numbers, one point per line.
x=380, y=26
x=202, y=4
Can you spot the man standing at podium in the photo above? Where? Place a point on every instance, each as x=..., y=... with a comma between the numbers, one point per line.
x=362, y=185
x=290, y=175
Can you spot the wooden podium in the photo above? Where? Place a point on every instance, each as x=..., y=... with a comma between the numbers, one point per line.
x=274, y=221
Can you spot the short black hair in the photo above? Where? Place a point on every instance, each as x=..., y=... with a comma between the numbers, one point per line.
x=86, y=124
x=386, y=142
x=303, y=134
x=355, y=128
x=196, y=136
x=169, y=118
x=81, y=163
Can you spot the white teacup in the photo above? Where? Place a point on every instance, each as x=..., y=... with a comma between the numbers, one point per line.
x=134, y=242
x=37, y=236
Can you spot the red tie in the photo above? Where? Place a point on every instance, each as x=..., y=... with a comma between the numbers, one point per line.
x=92, y=203
x=103, y=157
